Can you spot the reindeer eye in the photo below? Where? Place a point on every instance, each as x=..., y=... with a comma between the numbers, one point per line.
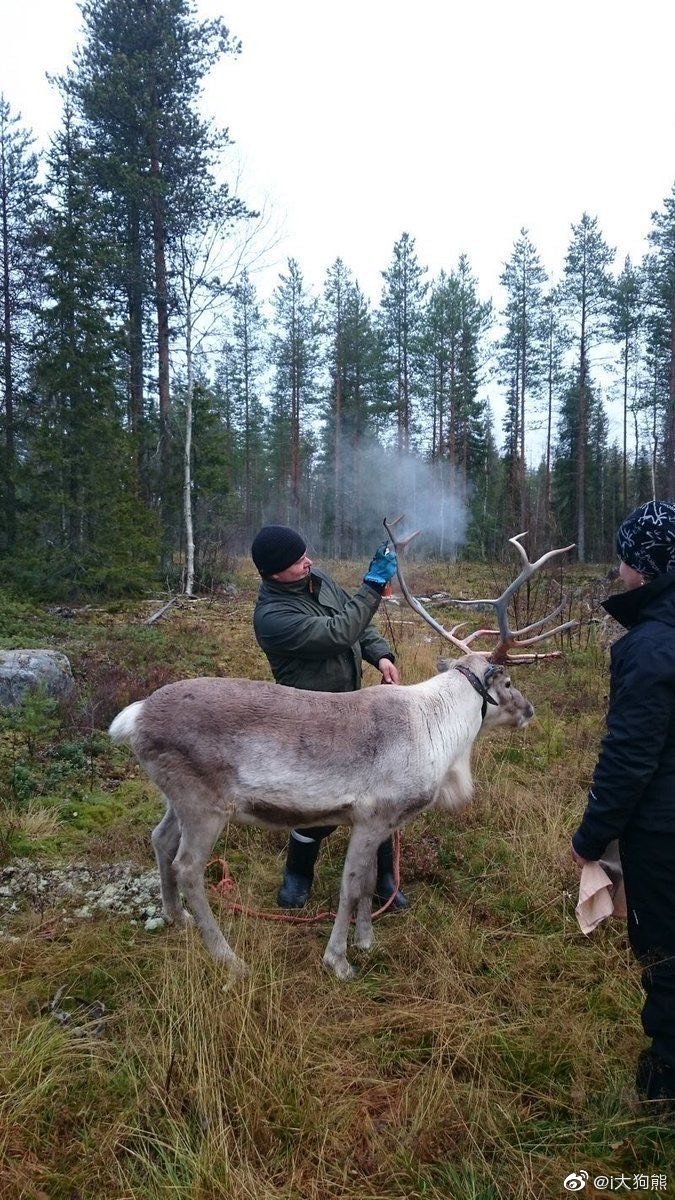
x=507, y=683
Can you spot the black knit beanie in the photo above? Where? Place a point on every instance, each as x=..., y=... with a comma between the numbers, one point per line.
x=645, y=541
x=275, y=548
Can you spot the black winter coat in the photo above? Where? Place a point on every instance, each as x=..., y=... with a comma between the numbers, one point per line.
x=634, y=780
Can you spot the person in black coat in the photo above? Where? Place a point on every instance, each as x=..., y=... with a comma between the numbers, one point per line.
x=632, y=796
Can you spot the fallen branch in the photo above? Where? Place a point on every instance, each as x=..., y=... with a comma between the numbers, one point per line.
x=160, y=613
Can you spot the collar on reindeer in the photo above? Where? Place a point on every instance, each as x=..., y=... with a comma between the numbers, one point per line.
x=481, y=685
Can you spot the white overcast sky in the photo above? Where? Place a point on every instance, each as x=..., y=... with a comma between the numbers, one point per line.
x=456, y=122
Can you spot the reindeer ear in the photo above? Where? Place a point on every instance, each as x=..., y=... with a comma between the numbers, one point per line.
x=445, y=664
x=492, y=672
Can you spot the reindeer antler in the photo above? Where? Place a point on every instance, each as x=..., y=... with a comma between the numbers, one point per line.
x=505, y=635
x=400, y=545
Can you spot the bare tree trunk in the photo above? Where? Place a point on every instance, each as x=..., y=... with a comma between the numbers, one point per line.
x=248, y=473
x=655, y=436
x=406, y=388
x=636, y=459
x=548, y=500
x=581, y=445
x=295, y=431
x=10, y=448
x=670, y=447
x=434, y=410
x=624, y=472
x=452, y=418
x=187, y=458
x=523, y=375
x=338, y=530
x=441, y=389
x=162, y=306
x=135, y=310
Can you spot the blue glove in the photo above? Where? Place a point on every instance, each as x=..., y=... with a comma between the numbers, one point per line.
x=382, y=568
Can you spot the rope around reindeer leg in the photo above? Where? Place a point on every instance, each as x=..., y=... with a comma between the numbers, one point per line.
x=227, y=884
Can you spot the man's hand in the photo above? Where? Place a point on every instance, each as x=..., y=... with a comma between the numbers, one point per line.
x=389, y=671
x=382, y=568
x=581, y=862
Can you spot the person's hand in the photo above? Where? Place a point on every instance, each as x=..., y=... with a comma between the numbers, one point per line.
x=388, y=671
x=581, y=862
x=383, y=566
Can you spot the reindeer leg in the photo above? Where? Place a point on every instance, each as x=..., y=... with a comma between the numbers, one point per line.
x=165, y=838
x=355, y=884
x=196, y=843
x=363, y=931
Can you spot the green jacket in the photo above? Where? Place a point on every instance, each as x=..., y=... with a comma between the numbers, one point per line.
x=315, y=634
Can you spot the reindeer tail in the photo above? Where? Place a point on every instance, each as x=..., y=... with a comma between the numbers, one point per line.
x=124, y=725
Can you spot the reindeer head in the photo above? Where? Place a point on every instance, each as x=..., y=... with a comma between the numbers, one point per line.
x=503, y=704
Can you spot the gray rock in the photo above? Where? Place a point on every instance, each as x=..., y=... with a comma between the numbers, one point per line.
x=154, y=923
x=121, y=889
x=23, y=671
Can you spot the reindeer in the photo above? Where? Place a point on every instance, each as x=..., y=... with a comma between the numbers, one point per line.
x=256, y=753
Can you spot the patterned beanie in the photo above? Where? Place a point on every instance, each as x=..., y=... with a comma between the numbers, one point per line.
x=645, y=541
x=275, y=548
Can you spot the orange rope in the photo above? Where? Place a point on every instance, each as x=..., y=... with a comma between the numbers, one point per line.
x=227, y=884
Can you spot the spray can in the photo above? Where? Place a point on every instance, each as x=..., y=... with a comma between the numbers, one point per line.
x=387, y=590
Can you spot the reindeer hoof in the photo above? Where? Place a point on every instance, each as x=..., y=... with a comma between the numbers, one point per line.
x=237, y=968
x=364, y=941
x=339, y=967
x=180, y=920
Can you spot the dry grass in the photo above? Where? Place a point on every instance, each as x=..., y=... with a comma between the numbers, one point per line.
x=484, y=1052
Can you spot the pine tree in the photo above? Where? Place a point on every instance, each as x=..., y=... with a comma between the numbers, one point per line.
x=246, y=359
x=295, y=354
x=401, y=318
x=441, y=343
x=456, y=322
x=87, y=535
x=19, y=197
x=567, y=452
x=522, y=355
x=467, y=424
x=660, y=269
x=137, y=79
x=486, y=532
x=556, y=342
x=626, y=317
x=586, y=290
x=351, y=356
x=650, y=405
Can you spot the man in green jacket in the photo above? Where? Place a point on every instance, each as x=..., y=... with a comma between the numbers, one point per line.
x=315, y=636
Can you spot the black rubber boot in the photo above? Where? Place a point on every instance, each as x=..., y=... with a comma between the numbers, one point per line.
x=655, y=1079
x=296, y=887
x=386, y=883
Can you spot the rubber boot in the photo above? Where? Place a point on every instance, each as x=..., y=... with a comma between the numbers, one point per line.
x=655, y=1079
x=301, y=856
x=386, y=883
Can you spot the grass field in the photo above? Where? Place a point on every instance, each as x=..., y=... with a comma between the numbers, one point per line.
x=486, y=1049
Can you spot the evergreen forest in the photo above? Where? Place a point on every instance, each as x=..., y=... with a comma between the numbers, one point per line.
x=156, y=409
